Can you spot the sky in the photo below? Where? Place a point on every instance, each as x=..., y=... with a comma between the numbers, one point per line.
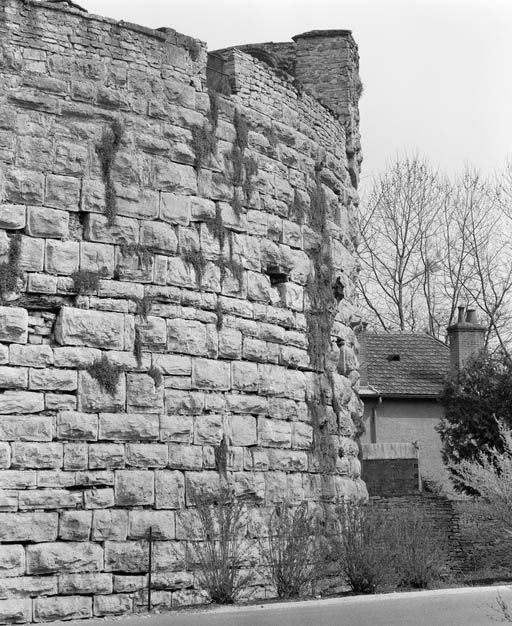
x=437, y=74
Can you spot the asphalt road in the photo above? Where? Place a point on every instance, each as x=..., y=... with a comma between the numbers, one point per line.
x=454, y=607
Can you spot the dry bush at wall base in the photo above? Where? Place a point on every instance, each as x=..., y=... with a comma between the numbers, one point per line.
x=221, y=550
x=358, y=547
x=107, y=374
x=291, y=551
x=420, y=549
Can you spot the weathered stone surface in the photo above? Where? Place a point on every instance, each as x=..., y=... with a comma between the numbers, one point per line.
x=118, y=604
x=26, y=427
x=187, y=336
x=185, y=457
x=13, y=377
x=143, y=394
x=30, y=356
x=128, y=426
x=62, y=257
x=274, y=433
x=17, y=527
x=36, y=455
x=13, y=324
x=209, y=430
x=173, y=364
x=45, y=222
x=106, y=455
x=77, y=426
x=162, y=523
x=85, y=583
x=110, y=524
x=58, y=608
x=177, y=428
x=90, y=328
x=53, y=379
x=94, y=398
x=245, y=376
x=12, y=560
x=5, y=455
x=28, y=587
x=15, y=611
x=134, y=488
x=13, y=216
x=75, y=525
x=126, y=556
x=243, y=430
x=169, y=489
x=48, y=558
x=210, y=374
x=146, y=455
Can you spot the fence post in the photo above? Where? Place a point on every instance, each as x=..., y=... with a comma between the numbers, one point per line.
x=150, y=566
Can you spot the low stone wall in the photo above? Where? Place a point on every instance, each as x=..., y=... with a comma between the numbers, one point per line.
x=437, y=510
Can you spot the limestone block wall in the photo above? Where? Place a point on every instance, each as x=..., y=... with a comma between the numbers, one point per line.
x=176, y=307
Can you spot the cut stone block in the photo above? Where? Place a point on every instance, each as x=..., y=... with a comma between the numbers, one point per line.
x=47, y=558
x=13, y=324
x=99, y=329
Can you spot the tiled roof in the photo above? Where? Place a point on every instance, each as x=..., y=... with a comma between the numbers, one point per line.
x=408, y=364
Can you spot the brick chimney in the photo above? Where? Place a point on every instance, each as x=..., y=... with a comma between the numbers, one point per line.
x=466, y=337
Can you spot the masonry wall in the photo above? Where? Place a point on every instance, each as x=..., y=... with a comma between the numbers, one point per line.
x=187, y=281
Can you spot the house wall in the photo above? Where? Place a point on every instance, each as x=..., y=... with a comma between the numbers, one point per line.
x=407, y=421
x=216, y=386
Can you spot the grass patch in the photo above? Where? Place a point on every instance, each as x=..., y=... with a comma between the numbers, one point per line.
x=142, y=252
x=204, y=144
x=196, y=259
x=10, y=270
x=107, y=374
x=107, y=151
x=85, y=281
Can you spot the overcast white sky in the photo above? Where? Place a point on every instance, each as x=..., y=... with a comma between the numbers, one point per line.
x=437, y=73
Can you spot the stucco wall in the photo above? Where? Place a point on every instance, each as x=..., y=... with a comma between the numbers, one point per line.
x=202, y=305
x=406, y=421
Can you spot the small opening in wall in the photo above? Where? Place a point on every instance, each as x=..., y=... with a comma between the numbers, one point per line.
x=276, y=275
x=393, y=357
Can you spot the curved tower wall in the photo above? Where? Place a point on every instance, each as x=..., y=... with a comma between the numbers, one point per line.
x=176, y=278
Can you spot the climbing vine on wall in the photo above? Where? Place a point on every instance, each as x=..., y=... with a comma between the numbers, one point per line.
x=10, y=270
x=107, y=151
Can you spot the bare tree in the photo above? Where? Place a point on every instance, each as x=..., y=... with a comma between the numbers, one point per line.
x=428, y=245
x=400, y=228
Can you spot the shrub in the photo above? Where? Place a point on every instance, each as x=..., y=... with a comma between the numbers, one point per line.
x=419, y=548
x=291, y=549
x=221, y=551
x=472, y=399
x=359, y=547
x=106, y=374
